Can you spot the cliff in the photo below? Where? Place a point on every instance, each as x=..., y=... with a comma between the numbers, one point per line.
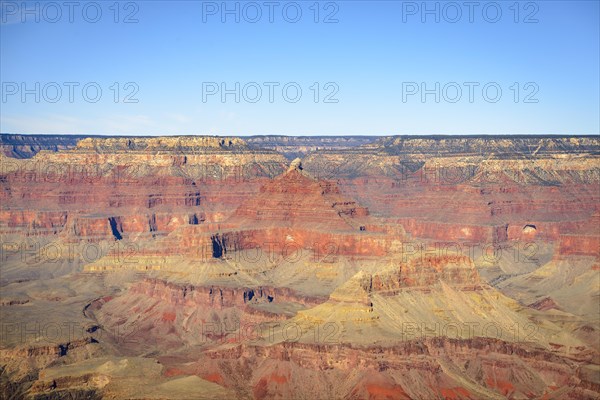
x=372, y=267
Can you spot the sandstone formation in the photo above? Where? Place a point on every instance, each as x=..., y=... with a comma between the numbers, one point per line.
x=288, y=267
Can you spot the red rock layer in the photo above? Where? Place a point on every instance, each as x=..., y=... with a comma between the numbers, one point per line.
x=410, y=369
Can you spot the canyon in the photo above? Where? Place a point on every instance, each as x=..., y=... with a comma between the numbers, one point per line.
x=275, y=267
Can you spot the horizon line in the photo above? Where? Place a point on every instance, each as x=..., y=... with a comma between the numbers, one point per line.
x=412, y=135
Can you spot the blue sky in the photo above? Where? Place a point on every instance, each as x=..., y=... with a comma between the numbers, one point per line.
x=175, y=58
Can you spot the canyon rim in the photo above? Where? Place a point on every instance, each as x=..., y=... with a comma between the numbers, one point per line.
x=289, y=267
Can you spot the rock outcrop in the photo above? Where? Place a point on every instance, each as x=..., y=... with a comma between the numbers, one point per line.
x=227, y=267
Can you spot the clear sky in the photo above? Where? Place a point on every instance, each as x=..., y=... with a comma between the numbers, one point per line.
x=363, y=67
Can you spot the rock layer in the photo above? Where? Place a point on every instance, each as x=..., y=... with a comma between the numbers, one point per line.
x=391, y=267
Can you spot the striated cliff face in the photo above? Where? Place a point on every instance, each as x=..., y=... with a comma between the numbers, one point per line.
x=507, y=147
x=371, y=267
x=150, y=184
x=299, y=146
x=219, y=297
x=452, y=269
x=415, y=369
x=26, y=146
